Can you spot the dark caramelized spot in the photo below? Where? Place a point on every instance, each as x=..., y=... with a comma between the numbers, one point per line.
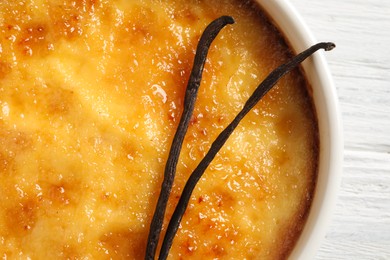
x=281, y=156
x=5, y=68
x=69, y=26
x=217, y=251
x=129, y=150
x=33, y=40
x=58, y=194
x=285, y=126
x=194, y=120
x=225, y=199
x=188, y=247
x=70, y=252
x=21, y=218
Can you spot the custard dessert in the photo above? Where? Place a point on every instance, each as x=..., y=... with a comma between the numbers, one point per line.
x=91, y=94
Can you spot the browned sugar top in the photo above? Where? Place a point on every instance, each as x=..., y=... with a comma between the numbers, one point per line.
x=91, y=92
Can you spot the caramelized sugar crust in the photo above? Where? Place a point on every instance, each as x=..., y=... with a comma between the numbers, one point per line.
x=91, y=93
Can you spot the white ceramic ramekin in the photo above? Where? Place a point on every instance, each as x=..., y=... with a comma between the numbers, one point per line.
x=299, y=37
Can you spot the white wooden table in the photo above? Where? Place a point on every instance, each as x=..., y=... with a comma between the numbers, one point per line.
x=360, y=227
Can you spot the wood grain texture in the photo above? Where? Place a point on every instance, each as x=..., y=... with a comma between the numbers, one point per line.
x=360, y=228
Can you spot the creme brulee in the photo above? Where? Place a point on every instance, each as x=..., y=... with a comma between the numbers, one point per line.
x=91, y=92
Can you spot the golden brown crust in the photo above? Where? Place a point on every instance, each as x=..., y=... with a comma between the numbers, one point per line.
x=90, y=96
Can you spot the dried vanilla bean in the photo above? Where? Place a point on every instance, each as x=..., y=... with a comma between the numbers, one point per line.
x=205, y=41
x=260, y=91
